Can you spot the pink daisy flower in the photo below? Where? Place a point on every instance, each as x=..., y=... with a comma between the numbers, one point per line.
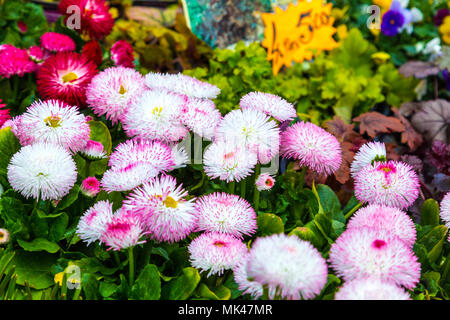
x=93, y=52
x=228, y=162
x=65, y=76
x=252, y=130
x=122, y=54
x=94, y=221
x=312, y=146
x=90, y=187
x=37, y=54
x=270, y=104
x=364, y=252
x=128, y=177
x=216, y=252
x=368, y=154
x=371, y=289
x=394, y=184
x=57, y=42
x=96, y=21
x=94, y=150
x=156, y=115
x=445, y=210
x=201, y=116
x=15, y=61
x=13, y=124
x=125, y=230
x=390, y=219
x=288, y=266
x=167, y=215
x=225, y=213
x=180, y=156
x=4, y=114
x=56, y=122
x=112, y=91
x=181, y=84
x=264, y=182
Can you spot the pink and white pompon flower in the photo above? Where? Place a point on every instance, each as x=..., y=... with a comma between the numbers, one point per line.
x=57, y=42
x=225, y=213
x=371, y=289
x=94, y=221
x=445, y=210
x=13, y=124
x=270, y=104
x=228, y=162
x=166, y=213
x=90, y=187
x=364, y=252
x=15, y=61
x=312, y=146
x=42, y=171
x=94, y=150
x=264, y=182
x=368, y=154
x=393, y=183
x=54, y=121
x=122, y=54
x=390, y=219
x=181, y=84
x=127, y=178
x=201, y=117
x=180, y=156
x=112, y=91
x=156, y=115
x=216, y=252
x=290, y=267
x=252, y=130
x=125, y=230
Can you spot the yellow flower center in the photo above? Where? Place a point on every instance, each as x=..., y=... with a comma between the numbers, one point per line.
x=157, y=111
x=52, y=121
x=170, y=202
x=122, y=90
x=2, y=235
x=392, y=21
x=69, y=77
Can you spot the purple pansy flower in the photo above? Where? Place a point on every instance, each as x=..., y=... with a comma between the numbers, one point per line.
x=392, y=22
x=440, y=16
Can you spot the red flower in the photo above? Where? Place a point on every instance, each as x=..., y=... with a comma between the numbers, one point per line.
x=95, y=20
x=14, y=61
x=65, y=76
x=93, y=52
x=4, y=114
x=122, y=54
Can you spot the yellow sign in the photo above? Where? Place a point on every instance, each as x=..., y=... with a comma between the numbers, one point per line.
x=298, y=33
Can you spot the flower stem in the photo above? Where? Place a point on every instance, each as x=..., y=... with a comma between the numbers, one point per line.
x=302, y=177
x=243, y=186
x=131, y=265
x=231, y=186
x=15, y=87
x=116, y=258
x=349, y=214
x=256, y=192
x=148, y=247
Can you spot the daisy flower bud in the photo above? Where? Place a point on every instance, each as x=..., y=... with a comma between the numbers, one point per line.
x=90, y=187
x=264, y=182
x=393, y=183
x=94, y=221
x=42, y=171
x=216, y=252
x=55, y=122
x=94, y=150
x=167, y=215
x=368, y=154
x=312, y=146
x=364, y=252
x=392, y=220
x=288, y=266
x=371, y=289
x=201, y=117
x=112, y=91
x=270, y=104
x=122, y=54
x=57, y=42
x=225, y=213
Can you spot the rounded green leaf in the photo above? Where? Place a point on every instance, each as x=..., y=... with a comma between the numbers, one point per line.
x=38, y=244
x=429, y=213
x=268, y=224
x=100, y=133
x=147, y=285
x=182, y=287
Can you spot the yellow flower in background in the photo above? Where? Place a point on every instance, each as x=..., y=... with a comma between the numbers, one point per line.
x=338, y=13
x=444, y=29
x=380, y=57
x=58, y=278
x=383, y=4
x=342, y=31
x=114, y=12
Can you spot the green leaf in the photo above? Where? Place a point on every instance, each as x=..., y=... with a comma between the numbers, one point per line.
x=9, y=145
x=100, y=133
x=429, y=213
x=107, y=289
x=182, y=287
x=69, y=199
x=98, y=167
x=330, y=202
x=307, y=234
x=89, y=285
x=220, y=293
x=147, y=285
x=39, y=244
x=35, y=268
x=269, y=223
x=58, y=227
x=431, y=279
